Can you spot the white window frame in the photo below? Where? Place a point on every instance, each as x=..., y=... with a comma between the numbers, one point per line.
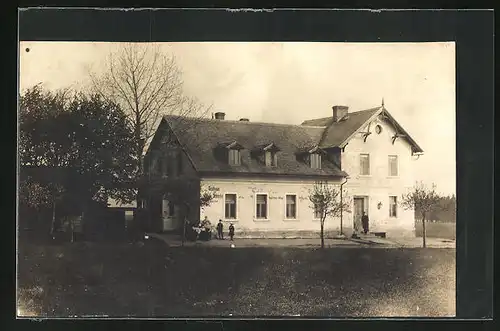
x=318, y=156
x=224, y=207
x=369, y=165
x=238, y=153
x=270, y=158
x=296, y=218
x=397, y=165
x=255, y=207
x=390, y=205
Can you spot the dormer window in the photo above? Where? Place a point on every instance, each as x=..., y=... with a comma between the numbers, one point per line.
x=232, y=151
x=315, y=159
x=271, y=159
x=267, y=154
x=234, y=157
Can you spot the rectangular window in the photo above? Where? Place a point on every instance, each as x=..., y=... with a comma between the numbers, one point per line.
x=153, y=165
x=162, y=165
x=168, y=165
x=171, y=208
x=291, y=206
x=393, y=206
x=129, y=216
x=261, y=202
x=315, y=161
x=271, y=159
x=317, y=211
x=364, y=164
x=393, y=165
x=230, y=209
x=234, y=157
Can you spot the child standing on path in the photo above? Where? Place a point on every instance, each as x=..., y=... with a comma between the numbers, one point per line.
x=231, y=231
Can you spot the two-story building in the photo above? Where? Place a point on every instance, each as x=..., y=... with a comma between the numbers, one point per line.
x=262, y=173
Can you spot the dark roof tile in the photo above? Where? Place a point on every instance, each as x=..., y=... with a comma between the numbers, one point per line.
x=337, y=132
x=200, y=137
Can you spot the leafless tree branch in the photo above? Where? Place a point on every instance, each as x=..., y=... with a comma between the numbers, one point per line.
x=148, y=84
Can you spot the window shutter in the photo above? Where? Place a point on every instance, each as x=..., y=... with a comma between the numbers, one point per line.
x=261, y=199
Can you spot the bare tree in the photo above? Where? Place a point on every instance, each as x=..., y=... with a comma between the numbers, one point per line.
x=147, y=83
x=326, y=202
x=423, y=199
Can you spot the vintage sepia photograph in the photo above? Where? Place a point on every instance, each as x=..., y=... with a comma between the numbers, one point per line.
x=236, y=179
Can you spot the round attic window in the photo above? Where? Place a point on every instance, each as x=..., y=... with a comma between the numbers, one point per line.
x=378, y=129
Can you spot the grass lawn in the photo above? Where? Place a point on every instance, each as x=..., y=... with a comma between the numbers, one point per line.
x=154, y=280
x=436, y=230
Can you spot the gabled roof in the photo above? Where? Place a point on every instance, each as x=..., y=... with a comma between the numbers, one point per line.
x=338, y=134
x=200, y=137
x=400, y=130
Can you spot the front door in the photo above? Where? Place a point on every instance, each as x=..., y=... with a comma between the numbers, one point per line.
x=168, y=215
x=359, y=207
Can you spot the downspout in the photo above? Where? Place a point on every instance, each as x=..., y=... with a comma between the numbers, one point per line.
x=342, y=205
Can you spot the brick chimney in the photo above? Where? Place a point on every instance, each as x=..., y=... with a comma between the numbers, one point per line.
x=339, y=112
x=219, y=115
x=244, y=120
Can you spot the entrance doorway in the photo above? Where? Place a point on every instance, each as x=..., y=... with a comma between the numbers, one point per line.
x=360, y=206
x=168, y=215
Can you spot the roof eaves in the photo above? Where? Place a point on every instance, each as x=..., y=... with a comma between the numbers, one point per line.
x=346, y=141
x=181, y=144
x=416, y=149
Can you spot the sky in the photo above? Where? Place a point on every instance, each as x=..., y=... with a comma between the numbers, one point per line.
x=291, y=82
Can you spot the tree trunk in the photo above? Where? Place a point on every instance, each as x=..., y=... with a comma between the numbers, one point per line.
x=322, y=235
x=184, y=224
x=139, y=150
x=53, y=222
x=72, y=229
x=424, y=234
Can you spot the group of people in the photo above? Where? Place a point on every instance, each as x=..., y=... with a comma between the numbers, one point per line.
x=203, y=230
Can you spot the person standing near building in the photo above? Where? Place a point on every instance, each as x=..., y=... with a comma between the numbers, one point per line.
x=365, y=221
x=220, y=230
x=231, y=231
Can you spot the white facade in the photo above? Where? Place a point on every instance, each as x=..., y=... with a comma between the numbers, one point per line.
x=379, y=185
x=375, y=188
x=246, y=220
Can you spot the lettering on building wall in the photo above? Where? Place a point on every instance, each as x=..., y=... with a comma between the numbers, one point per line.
x=255, y=189
x=213, y=188
x=275, y=198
